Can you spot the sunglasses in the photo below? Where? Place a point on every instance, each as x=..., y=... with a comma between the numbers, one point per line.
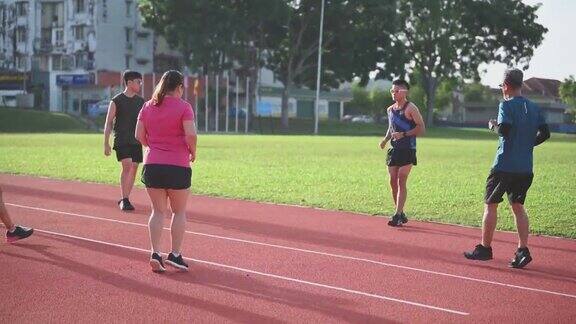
x=398, y=90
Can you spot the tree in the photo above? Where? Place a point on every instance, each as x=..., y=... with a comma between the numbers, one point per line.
x=568, y=95
x=189, y=27
x=446, y=38
x=218, y=35
x=352, y=34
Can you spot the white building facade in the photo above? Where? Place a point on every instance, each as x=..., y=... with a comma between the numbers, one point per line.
x=64, y=43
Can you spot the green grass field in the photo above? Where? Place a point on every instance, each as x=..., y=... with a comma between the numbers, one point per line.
x=339, y=173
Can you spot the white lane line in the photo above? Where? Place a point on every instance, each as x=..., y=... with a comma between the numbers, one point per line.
x=269, y=275
x=339, y=256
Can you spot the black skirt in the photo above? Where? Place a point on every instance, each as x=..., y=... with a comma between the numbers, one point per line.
x=164, y=176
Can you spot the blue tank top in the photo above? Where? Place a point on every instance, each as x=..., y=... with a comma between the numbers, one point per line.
x=400, y=123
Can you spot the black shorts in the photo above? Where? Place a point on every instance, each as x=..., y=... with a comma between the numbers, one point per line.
x=133, y=152
x=401, y=157
x=163, y=176
x=515, y=185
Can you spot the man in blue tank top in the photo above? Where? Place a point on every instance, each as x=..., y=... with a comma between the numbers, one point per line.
x=520, y=127
x=404, y=124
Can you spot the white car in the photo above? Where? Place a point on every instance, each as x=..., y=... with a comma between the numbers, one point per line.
x=365, y=119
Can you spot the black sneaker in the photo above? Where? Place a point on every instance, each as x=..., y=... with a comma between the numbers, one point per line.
x=177, y=262
x=403, y=218
x=395, y=221
x=521, y=258
x=156, y=263
x=125, y=204
x=480, y=253
x=19, y=233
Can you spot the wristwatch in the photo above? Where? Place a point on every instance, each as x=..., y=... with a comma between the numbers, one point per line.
x=404, y=134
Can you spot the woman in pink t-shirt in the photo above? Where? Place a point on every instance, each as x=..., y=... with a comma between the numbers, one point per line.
x=166, y=127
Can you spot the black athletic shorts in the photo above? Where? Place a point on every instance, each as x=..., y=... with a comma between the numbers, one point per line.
x=133, y=152
x=515, y=185
x=401, y=157
x=163, y=176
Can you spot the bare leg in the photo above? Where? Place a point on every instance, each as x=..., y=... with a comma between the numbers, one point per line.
x=521, y=224
x=127, y=176
x=4, y=215
x=178, y=199
x=489, y=223
x=393, y=171
x=159, y=200
x=403, y=173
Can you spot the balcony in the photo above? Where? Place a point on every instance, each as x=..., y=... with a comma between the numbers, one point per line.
x=89, y=65
x=142, y=60
x=22, y=21
x=43, y=45
x=142, y=33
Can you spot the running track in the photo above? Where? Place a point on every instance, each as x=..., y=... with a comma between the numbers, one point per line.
x=263, y=263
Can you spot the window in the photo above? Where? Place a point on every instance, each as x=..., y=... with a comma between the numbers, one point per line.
x=58, y=37
x=57, y=62
x=80, y=60
x=127, y=61
x=128, y=8
x=79, y=32
x=21, y=62
x=128, y=35
x=79, y=6
x=42, y=62
x=21, y=8
x=21, y=34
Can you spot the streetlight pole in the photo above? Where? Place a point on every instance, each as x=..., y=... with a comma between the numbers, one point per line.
x=316, y=109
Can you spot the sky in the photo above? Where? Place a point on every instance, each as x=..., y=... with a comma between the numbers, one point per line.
x=555, y=58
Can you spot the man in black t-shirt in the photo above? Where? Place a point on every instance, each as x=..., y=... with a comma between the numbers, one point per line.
x=122, y=117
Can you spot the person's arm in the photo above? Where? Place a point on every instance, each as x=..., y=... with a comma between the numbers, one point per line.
x=504, y=124
x=190, y=131
x=108, y=125
x=543, y=130
x=502, y=129
x=542, y=135
x=190, y=137
x=386, y=138
x=140, y=133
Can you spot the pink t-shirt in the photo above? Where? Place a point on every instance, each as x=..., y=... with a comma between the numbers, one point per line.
x=165, y=133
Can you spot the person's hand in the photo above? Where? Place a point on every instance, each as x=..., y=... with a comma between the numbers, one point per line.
x=107, y=149
x=492, y=123
x=383, y=143
x=397, y=135
x=192, y=156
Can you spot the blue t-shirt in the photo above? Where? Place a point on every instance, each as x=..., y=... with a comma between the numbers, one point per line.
x=514, y=152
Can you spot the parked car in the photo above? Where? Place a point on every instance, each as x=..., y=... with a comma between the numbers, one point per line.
x=365, y=119
x=99, y=108
x=241, y=112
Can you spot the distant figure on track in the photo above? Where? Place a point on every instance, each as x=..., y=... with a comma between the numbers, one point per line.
x=14, y=232
x=405, y=123
x=520, y=127
x=122, y=114
x=166, y=127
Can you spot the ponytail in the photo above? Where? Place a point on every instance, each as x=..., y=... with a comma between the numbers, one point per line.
x=169, y=82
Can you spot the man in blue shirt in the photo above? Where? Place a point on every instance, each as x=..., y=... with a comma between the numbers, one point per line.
x=520, y=127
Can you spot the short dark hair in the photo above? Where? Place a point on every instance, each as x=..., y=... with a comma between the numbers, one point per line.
x=402, y=83
x=130, y=75
x=514, y=78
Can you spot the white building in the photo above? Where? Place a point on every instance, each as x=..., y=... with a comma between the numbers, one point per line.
x=64, y=43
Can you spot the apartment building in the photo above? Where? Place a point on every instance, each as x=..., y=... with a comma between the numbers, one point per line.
x=62, y=46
